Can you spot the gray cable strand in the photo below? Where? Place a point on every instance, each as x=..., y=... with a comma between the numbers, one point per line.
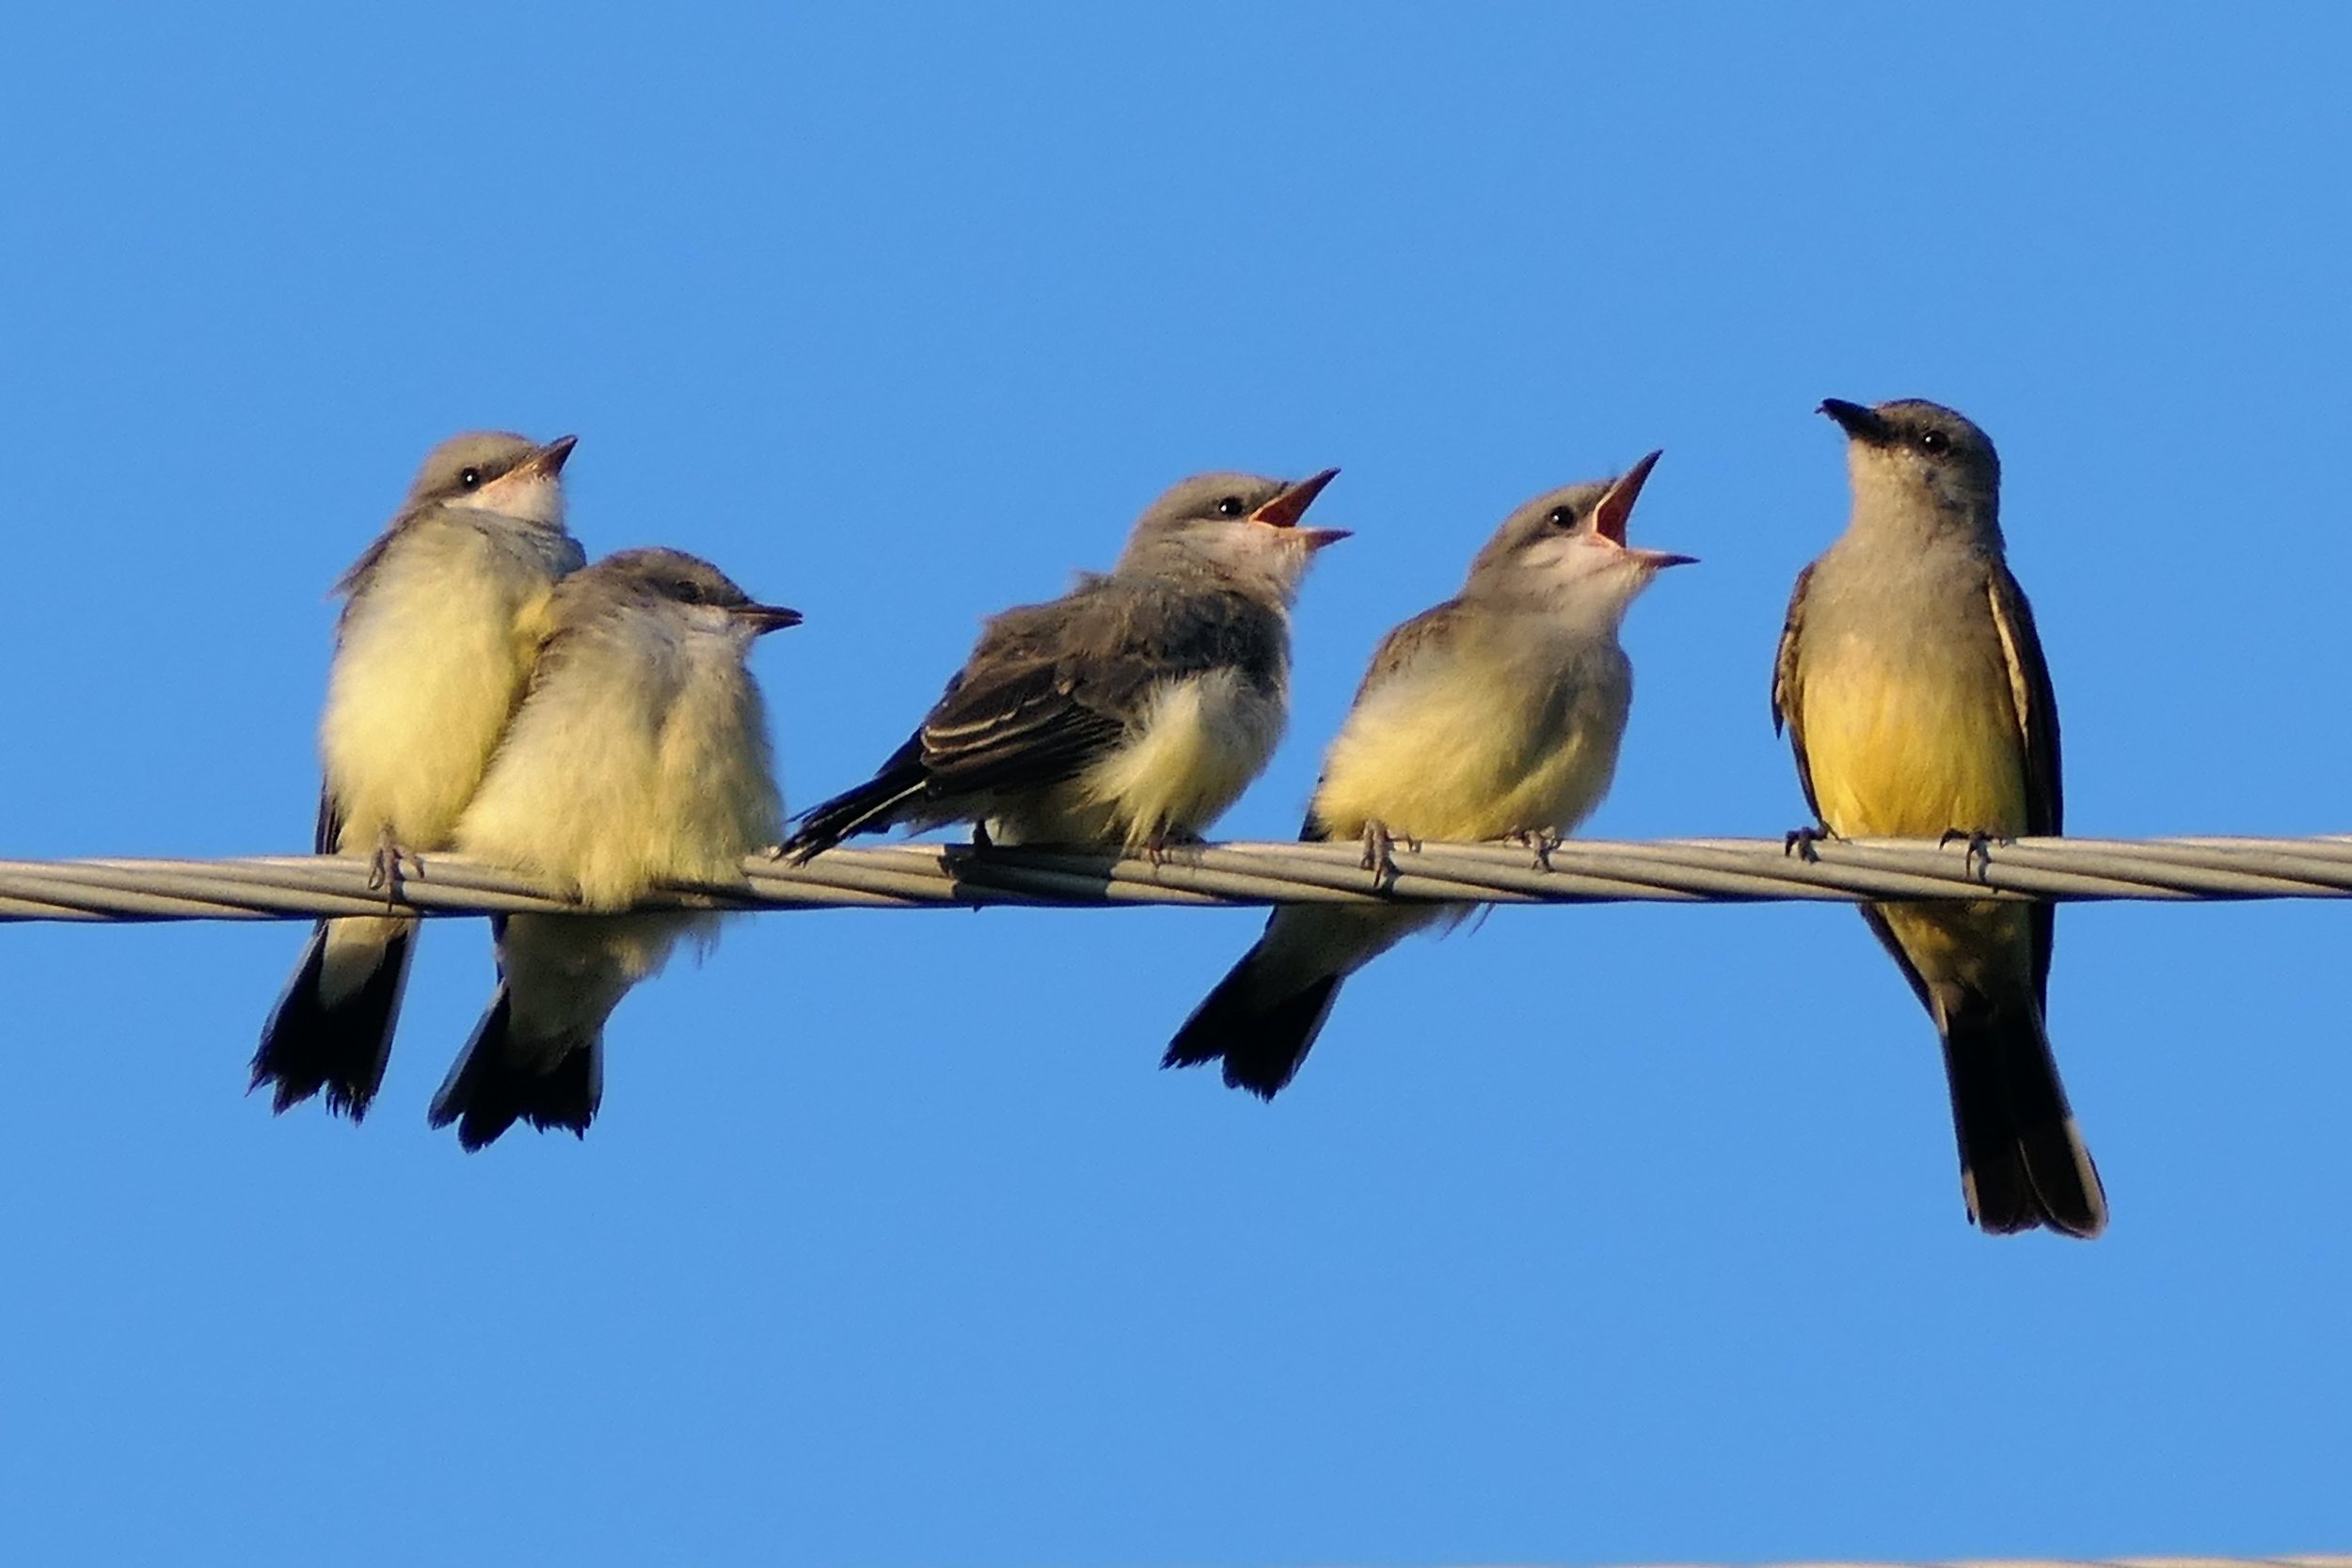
x=933, y=875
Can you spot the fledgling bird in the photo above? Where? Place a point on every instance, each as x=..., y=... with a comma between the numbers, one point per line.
x=1495, y=715
x=1131, y=710
x=431, y=653
x=640, y=756
x=1913, y=690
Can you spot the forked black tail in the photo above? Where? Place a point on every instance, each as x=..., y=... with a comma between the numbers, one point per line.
x=869, y=808
x=341, y=1047
x=492, y=1085
x=2023, y=1162
x=1262, y=1039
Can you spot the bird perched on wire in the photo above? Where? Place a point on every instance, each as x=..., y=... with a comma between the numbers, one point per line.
x=1495, y=715
x=438, y=623
x=638, y=758
x=1914, y=693
x=1134, y=710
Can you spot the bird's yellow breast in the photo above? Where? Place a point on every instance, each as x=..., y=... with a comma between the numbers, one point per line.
x=1911, y=739
x=431, y=667
x=1467, y=751
x=640, y=762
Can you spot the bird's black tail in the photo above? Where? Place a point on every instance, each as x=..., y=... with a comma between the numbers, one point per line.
x=1262, y=1033
x=2023, y=1162
x=871, y=807
x=341, y=1046
x=496, y=1082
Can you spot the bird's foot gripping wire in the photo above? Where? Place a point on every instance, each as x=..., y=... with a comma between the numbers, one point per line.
x=1542, y=841
x=1800, y=841
x=384, y=867
x=1163, y=840
x=1380, y=853
x=1977, y=857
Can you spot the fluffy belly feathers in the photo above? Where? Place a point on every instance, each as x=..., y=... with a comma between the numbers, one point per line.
x=1201, y=742
x=1440, y=761
x=427, y=676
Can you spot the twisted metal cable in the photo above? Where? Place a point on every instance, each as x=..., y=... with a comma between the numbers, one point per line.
x=933, y=875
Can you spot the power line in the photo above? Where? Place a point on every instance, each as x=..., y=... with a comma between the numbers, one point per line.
x=920, y=876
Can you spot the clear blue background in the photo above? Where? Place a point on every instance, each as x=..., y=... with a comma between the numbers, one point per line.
x=1597, y=1235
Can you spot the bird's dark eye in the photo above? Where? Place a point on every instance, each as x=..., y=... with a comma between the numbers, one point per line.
x=1935, y=441
x=1561, y=517
x=470, y=479
x=1231, y=506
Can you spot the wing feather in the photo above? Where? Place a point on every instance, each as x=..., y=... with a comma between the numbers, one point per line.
x=2035, y=701
x=1787, y=698
x=1052, y=688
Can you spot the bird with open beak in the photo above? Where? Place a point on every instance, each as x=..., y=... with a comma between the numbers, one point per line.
x=1498, y=714
x=1132, y=710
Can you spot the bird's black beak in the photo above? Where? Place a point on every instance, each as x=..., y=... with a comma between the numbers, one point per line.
x=549, y=459
x=1860, y=423
x=765, y=618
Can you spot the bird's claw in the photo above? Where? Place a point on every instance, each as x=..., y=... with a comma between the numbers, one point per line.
x=1800, y=841
x=1541, y=840
x=1977, y=857
x=384, y=868
x=1380, y=854
x=1157, y=846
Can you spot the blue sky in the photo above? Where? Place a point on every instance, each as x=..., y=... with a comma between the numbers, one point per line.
x=1597, y=1235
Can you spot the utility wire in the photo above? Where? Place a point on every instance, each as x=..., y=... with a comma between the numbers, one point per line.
x=933, y=875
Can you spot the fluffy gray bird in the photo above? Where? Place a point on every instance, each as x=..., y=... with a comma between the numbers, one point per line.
x=638, y=758
x=1131, y=710
x=1913, y=687
x=1495, y=715
x=430, y=654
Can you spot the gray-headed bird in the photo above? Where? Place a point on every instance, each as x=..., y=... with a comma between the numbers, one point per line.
x=1496, y=715
x=433, y=645
x=1913, y=687
x=638, y=758
x=1131, y=711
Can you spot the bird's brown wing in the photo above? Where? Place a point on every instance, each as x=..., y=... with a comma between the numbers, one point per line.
x=1787, y=705
x=329, y=836
x=2036, y=703
x=1431, y=631
x=1053, y=686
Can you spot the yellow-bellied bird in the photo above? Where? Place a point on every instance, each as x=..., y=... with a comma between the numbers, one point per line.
x=1496, y=715
x=440, y=619
x=1913, y=687
x=639, y=757
x=1131, y=710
